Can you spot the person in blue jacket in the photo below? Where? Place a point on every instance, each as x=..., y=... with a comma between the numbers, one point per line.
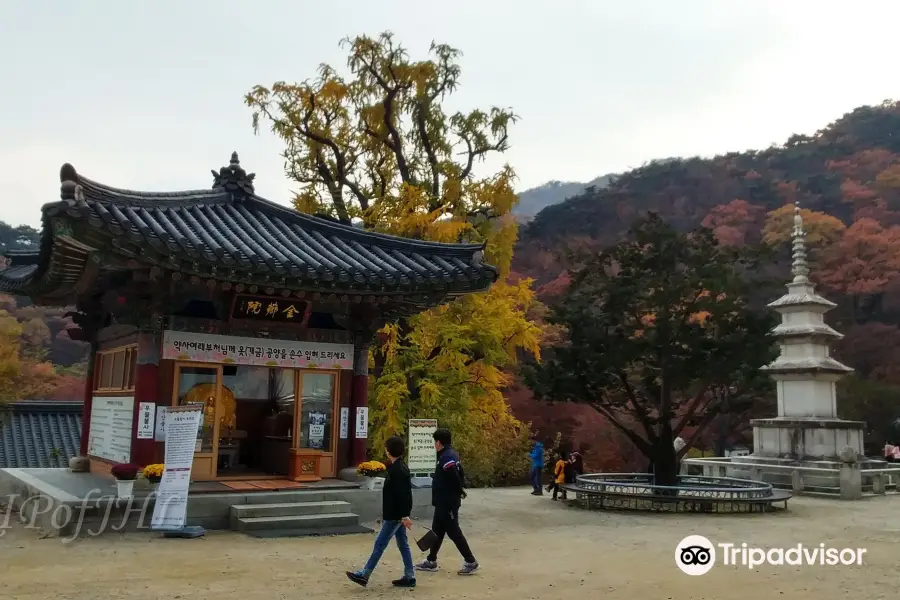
x=537, y=465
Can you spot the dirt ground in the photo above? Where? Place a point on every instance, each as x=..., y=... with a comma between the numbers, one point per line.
x=528, y=548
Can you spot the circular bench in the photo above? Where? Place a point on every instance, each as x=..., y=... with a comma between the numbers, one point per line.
x=697, y=494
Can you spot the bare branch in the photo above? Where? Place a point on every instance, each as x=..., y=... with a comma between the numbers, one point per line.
x=639, y=442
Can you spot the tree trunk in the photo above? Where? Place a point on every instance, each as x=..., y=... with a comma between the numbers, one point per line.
x=665, y=467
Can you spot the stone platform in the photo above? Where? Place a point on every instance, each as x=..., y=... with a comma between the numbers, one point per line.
x=807, y=439
x=66, y=504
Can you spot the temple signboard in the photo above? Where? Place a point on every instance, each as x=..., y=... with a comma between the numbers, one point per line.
x=263, y=352
x=266, y=308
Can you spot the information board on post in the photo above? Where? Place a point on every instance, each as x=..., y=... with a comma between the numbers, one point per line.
x=182, y=425
x=422, y=456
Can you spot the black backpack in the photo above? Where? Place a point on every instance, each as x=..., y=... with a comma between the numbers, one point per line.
x=569, y=472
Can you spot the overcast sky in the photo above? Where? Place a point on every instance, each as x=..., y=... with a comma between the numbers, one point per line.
x=149, y=95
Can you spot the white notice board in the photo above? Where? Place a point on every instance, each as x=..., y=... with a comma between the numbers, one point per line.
x=112, y=418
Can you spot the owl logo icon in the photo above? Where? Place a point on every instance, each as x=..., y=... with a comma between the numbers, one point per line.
x=695, y=555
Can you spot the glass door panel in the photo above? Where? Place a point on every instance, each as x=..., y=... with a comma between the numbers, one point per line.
x=197, y=385
x=316, y=412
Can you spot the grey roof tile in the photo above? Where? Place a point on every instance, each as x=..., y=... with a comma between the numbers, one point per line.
x=39, y=434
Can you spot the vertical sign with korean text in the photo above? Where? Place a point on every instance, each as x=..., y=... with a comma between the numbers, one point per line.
x=146, y=420
x=159, y=434
x=182, y=425
x=345, y=423
x=362, y=422
x=422, y=456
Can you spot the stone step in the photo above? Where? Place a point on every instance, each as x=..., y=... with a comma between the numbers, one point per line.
x=287, y=509
x=320, y=522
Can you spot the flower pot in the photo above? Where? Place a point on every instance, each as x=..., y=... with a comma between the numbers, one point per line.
x=368, y=483
x=124, y=488
x=154, y=480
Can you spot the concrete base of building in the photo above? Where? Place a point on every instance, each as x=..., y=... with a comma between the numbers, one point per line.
x=74, y=505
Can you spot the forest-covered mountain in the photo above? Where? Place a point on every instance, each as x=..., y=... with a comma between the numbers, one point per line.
x=533, y=200
x=846, y=178
x=849, y=170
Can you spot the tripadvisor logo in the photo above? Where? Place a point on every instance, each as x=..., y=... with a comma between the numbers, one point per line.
x=696, y=555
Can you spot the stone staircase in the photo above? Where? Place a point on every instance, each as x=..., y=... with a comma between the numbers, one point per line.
x=296, y=519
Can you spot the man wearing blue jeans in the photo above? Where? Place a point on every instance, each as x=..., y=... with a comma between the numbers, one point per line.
x=537, y=465
x=396, y=507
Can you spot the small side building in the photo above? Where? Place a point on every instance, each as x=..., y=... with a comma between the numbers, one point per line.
x=219, y=297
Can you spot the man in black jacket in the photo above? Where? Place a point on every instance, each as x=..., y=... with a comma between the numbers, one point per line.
x=396, y=507
x=447, y=492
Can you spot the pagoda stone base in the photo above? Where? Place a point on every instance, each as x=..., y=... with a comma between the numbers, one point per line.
x=805, y=455
x=807, y=439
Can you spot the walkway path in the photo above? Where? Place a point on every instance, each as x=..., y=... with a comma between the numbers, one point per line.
x=529, y=547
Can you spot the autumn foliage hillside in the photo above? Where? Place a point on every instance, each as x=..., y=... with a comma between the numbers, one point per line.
x=846, y=178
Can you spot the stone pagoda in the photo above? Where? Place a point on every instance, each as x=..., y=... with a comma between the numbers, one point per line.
x=807, y=431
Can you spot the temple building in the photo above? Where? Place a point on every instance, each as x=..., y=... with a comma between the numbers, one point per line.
x=219, y=297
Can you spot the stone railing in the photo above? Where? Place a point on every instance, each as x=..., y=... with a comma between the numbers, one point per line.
x=852, y=480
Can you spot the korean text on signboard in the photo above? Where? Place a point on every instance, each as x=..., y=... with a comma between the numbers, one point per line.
x=422, y=454
x=202, y=347
x=262, y=308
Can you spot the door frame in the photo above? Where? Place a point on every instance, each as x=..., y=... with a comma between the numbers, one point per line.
x=306, y=463
x=206, y=464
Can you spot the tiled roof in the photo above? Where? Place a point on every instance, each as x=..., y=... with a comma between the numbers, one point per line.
x=228, y=233
x=39, y=434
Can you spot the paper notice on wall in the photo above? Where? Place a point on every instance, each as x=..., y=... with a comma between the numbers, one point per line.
x=170, y=509
x=146, y=420
x=362, y=422
x=345, y=422
x=316, y=429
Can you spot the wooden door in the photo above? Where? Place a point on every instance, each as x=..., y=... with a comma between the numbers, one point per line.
x=316, y=421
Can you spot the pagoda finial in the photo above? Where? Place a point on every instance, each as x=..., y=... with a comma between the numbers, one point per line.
x=233, y=177
x=799, y=266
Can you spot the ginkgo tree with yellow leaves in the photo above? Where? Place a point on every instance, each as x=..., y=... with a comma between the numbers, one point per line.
x=376, y=145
